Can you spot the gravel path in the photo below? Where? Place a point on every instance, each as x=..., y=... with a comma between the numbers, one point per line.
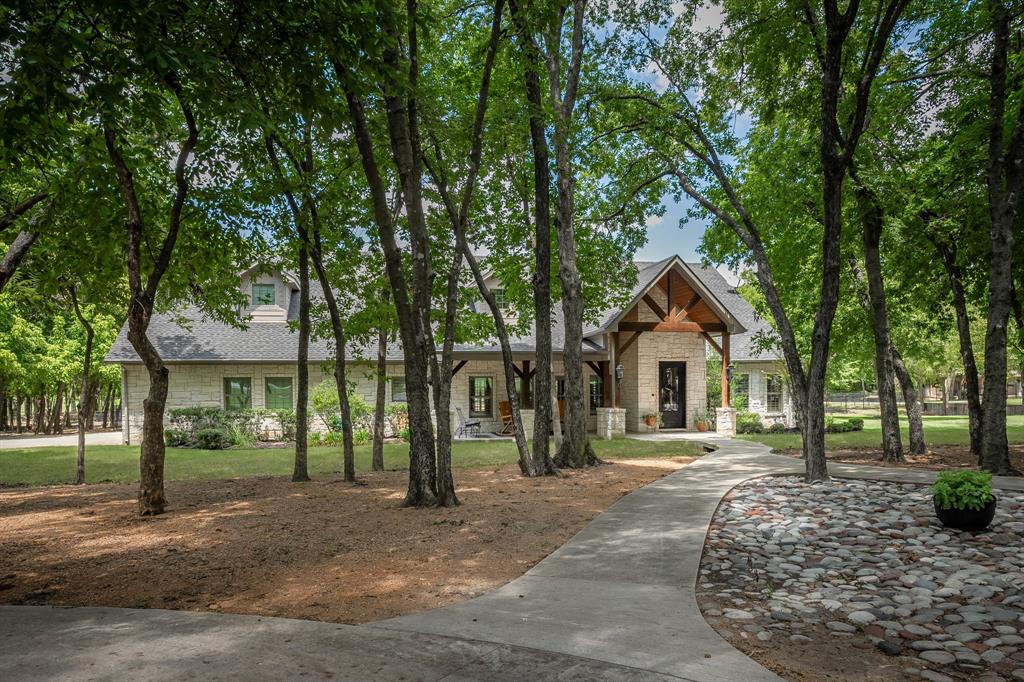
x=867, y=561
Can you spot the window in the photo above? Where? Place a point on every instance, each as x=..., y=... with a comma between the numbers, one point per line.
x=398, y=390
x=263, y=294
x=596, y=393
x=560, y=387
x=480, y=394
x=499, y=298
x=739, y=394
x=278, y=393
x=237, y=393
x=773, y=396
x=519, y=392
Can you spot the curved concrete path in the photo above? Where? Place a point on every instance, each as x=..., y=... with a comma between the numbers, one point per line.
x=614, y=603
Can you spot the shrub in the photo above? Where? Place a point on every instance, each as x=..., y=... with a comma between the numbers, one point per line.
x=397, y=416
x=704, y=416
x=324, y=401
x=777, y=427
x=963, y=489
x=288, y=422
x=360, y=437
x=749, y=422
x=314, y=438
x=333, y=438
x=176, y=438
x=404, y=434
x=833, y=425
x=214, y=439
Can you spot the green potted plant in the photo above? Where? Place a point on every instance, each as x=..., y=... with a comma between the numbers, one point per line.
x=964, y=499
x=651, y=419
x=702, y=419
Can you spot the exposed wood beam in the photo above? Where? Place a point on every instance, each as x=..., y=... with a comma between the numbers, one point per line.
x=518, y=372
x=596, y=366
x=606, y=382
x=694, y=300
x=725, y=369
x=673, y=326
x=714, y=344
x=456, y=368
x=629, y=342
x=654, y=306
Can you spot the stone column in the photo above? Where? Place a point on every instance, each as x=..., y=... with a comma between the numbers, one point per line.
x=528, y=418
x=725, y=418
x=611, y=422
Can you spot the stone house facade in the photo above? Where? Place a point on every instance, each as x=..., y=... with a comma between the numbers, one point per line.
x=648, y=358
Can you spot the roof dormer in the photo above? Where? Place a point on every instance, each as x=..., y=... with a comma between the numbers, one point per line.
x=268, y=294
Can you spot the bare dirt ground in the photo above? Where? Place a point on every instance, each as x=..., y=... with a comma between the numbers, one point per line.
x=324, y=550
x=938, y=457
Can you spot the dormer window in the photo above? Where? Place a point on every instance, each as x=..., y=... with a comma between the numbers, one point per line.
x=263, y=294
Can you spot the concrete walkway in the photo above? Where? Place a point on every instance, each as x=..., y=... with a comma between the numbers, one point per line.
x=614, y=603
x=31, y=440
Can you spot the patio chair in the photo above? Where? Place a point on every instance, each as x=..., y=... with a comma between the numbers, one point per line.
x=505, y=410
x=465, y=429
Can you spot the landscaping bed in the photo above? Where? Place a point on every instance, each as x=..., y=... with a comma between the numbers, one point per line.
x=324, y=550
x=857, y=580
x=937, y=458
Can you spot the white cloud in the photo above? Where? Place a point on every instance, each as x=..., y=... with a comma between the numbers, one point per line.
x=660, y=82
x=653, y=221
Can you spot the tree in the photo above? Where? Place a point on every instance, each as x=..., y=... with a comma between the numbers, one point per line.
x=395, y=72
x=830, y=50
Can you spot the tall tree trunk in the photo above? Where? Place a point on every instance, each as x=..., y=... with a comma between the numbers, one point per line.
x=338, y=332
x=377, y=459
x=912, y=404
x=417, y=341
x=576, y=450
x=972, y=383
x=56, y=421
x=86, y=395
x=152, y=500
x=1004, y=173
x=527, y=465
x=874, y=305
x=543, y=420
x=300, y=472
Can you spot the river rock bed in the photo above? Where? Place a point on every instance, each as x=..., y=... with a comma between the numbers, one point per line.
x=866, y=562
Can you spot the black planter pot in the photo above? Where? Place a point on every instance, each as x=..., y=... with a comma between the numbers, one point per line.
x=967, y=519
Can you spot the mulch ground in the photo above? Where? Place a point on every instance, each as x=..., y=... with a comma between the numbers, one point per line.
x=324, y=550
x=938, y=457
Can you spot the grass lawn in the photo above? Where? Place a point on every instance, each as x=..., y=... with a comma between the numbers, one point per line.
x=937, y=431
x=120, y=463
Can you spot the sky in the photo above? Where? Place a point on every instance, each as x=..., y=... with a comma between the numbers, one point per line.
x=674, y=233
x=666, y=236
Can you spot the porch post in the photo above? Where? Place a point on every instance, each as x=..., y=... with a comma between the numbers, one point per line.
x=615, y=363
x=527, y=392
x=725, y=369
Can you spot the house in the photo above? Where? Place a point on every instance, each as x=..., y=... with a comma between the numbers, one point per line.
x=647, y=358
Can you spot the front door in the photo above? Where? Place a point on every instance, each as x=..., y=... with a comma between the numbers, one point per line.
x=672, y=394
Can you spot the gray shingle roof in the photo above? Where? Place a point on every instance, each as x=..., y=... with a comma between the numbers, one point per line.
x=207, y=340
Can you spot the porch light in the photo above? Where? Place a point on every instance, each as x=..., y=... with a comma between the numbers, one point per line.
x=619, y=369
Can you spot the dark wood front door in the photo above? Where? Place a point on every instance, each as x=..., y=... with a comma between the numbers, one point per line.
x=672, y=394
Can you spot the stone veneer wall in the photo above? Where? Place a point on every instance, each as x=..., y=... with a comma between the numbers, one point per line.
x=639, y=394
x=758, y=399
x=202, y=385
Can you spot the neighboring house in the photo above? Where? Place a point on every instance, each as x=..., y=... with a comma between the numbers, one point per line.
x=649, y=357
